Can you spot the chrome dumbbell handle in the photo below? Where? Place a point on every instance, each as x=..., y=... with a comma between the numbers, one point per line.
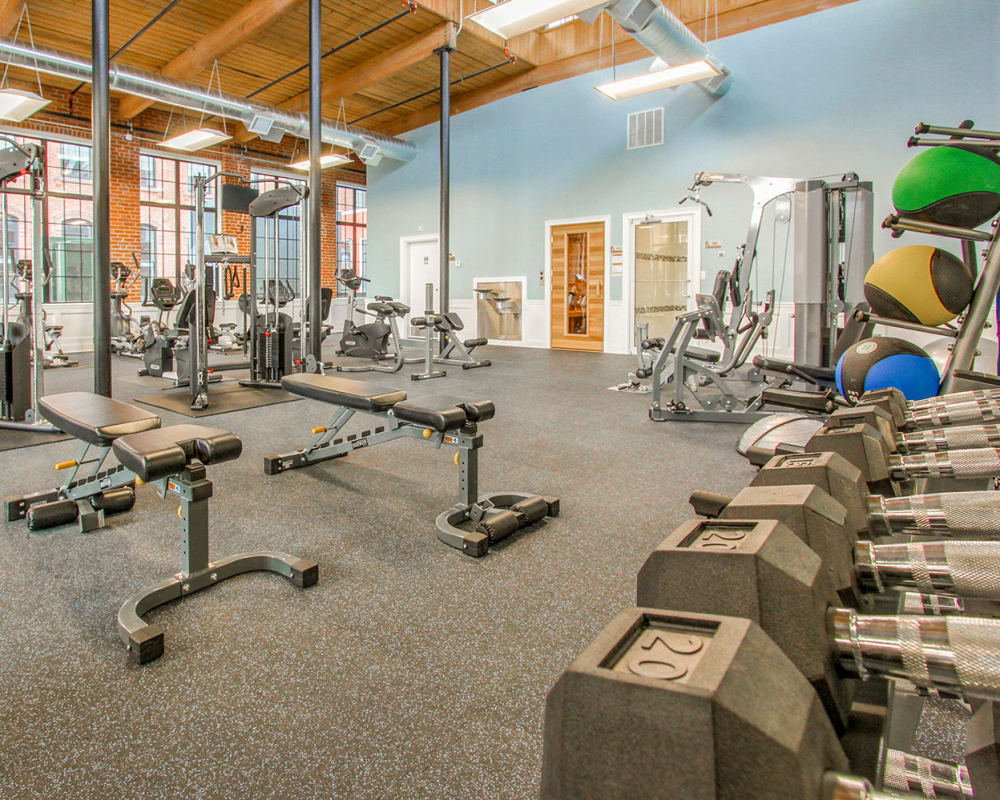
x=847, y=787
x=954, y=399
x=983, y=462
x=962, y=437
x=966, y=569
x=941, y=514
x=974, y=412
x=950, y=653
x=925, y=776
x=931, y=604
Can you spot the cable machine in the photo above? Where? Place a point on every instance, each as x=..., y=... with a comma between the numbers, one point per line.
x=22, y=351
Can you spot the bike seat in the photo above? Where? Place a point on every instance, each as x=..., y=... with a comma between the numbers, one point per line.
x=401, y=309
x=381, y=308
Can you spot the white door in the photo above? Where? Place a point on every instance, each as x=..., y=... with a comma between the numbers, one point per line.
x=422, y=268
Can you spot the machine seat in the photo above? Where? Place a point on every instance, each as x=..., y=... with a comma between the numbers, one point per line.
x=701, y=354
x=157, y=454
x=359, y=395
x=381, y=308
x=95, y=419
x=401, y=309
x=450, y=322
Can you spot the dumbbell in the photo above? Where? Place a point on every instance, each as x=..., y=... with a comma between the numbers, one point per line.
x=961, y=408
x=867, y=438
x=940, y=514
x=760, y=569
x=855, y=566
x=674, y=704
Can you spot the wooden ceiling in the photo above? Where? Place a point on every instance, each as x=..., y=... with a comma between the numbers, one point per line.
x=374, y=81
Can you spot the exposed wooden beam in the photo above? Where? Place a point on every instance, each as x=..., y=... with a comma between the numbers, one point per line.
x=10, y=13
x=379, y=67
x=738, y=20
x=539, y=76
x=373, y=70
x=531, y=47
x=234, y=31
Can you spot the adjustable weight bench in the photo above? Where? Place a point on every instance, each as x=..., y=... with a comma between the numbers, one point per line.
x=96, y=421
x=174, y=459
x=438, y=421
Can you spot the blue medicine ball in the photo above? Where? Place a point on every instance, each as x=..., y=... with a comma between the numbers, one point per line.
x=883, y=362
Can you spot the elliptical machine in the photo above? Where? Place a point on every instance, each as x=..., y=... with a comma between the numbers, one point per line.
x=53, y=356
x=125, y=340
x=371, y=339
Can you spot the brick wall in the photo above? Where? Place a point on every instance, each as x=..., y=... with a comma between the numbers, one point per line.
x=70, y=115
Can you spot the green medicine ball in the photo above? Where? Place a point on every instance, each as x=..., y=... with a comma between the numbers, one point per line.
x=949, y=185
x=919, y=283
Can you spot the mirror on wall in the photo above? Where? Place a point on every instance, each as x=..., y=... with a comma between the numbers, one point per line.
x=499, y=309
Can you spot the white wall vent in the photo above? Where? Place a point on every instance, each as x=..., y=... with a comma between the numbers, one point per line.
x=645, y=128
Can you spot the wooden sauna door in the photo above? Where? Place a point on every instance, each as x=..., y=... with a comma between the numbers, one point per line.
x=577, y=305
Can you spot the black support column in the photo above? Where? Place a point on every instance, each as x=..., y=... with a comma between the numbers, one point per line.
x=315, y=179
x=444, y=244
x=100, y=119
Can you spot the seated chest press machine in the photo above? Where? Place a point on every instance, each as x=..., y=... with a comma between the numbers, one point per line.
x=174, y=459
x=437, y=421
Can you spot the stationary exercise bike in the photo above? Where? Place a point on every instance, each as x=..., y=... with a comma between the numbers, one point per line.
x=370, y=340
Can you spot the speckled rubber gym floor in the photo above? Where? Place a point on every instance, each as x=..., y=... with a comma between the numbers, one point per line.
x=409, y=670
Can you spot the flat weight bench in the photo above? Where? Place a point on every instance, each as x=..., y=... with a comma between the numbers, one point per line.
x=174, y=459
x=437, y=421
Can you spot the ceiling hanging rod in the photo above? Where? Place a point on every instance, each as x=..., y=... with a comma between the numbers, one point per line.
x=411, y=7
x=483, y=71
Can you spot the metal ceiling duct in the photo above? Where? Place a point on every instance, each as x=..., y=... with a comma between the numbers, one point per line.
x=196, y=98
x=654, y=26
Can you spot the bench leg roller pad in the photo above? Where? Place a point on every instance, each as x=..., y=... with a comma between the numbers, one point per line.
x=48, y=515
x=496, y=517
x=114, y=501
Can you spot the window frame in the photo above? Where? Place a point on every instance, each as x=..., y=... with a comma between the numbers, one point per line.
x=44, y=138
x=359, y=260
x=176, y=207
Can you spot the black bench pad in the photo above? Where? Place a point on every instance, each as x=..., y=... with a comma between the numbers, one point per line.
x=161, y=453
x=443, y=413
x=359, y=395
x=703, y=354
x=475, y=411
x=95, y=419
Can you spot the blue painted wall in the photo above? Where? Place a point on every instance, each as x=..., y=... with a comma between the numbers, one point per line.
x=830, y=92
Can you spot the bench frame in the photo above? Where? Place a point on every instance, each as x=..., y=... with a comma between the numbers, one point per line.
x=472, y=507
x=145, y=641
x=81, y=490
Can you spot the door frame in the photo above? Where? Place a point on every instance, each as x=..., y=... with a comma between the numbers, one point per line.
x=404, y=272
x=605, y=219
x=693, y=215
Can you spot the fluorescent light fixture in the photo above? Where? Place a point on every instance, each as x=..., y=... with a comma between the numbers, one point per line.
x=199, y=138
x=661, y=79
x=520, y=16
x=17, y=105
x=325, y=161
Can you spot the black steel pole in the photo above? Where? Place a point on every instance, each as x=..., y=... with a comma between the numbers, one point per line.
x=100, y=121
x=315, y=180
x=444, y=248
